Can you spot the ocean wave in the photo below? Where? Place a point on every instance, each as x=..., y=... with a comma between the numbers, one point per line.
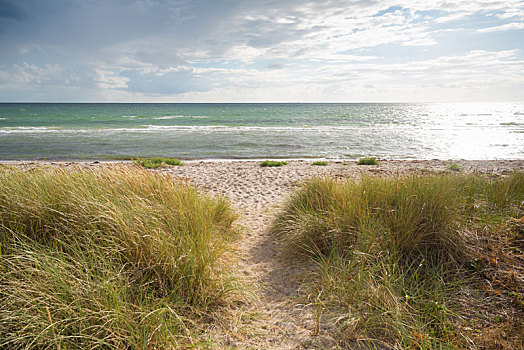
x=173, y=128
x=129, y=116
x=181, y=116
x=327, y=129
x=184, y=127
x=2, y=118
x=475, y=115
x=163, y=129
x=170, y=117
x=222, y=128
x=226, y=128
x=27, y=129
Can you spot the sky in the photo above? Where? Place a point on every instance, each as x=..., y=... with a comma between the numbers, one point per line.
x=261, y=51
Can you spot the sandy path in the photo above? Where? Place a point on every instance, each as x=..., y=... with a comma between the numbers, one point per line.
x=255, y=192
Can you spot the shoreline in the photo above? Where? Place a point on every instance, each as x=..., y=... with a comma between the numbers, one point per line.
x=257, y=159
x=256, y=190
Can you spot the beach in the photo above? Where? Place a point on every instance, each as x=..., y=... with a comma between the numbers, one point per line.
x=261, y=175
x=252, y=188
x=256, y=193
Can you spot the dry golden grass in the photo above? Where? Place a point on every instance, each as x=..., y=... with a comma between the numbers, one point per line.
x=116, y=258
x=404, y=262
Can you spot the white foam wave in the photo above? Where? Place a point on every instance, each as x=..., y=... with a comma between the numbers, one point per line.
x=192, y=129
x=27, y=129
x=181, y=116
x=169, y=117
x=163, y=129
x=129, y=116
x=246, y=128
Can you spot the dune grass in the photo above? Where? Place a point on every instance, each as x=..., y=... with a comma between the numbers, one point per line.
x=112, y=259
x=453, y=166
x=149, y=163
x=320, y=163
x=393, y=255
x=272, y=163
x=367, y=161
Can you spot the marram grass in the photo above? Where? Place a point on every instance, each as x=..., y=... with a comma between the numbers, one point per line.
x=392, y=254
x=116, y=259
x=157, y=162
x=453, y=166
x=367, y=161
x=320, y=163
x=272, y=163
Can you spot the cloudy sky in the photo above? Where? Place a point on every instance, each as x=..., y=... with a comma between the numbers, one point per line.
x=261, y=50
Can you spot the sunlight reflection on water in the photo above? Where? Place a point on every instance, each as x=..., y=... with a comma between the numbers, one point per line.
x=467, y=130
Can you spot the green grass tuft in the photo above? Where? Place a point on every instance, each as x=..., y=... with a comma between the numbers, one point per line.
x=157, y=162
x=116, y=259
x=321, y=163
x=368, y=161
x=270, y=163
x=454, y=166
x=391, y=254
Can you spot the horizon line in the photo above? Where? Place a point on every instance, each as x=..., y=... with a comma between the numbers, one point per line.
x=254, y=102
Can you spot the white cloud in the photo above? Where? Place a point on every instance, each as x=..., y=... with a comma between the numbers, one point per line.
x=109, y=80
x=33, y=74
x=443, y=78
x=279, y=49
x=511, y=13
x=453, y=17
x=508, y=26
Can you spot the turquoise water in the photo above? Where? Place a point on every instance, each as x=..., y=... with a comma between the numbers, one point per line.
x=226, y=131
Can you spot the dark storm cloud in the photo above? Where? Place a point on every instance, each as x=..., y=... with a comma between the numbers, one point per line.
x=96, y=24
x=9, y=11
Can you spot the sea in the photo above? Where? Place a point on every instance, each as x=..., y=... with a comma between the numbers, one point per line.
x=112, y=131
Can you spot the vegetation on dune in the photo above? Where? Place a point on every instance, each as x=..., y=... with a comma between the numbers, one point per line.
x=320, y=163
x=116, y=259
x=269, y=163
x=367, y=161
x=157, y=162
x=123, y=258
x=398, y=259
x=453, y=166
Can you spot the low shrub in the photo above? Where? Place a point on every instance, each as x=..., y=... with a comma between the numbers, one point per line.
x=320, y=163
